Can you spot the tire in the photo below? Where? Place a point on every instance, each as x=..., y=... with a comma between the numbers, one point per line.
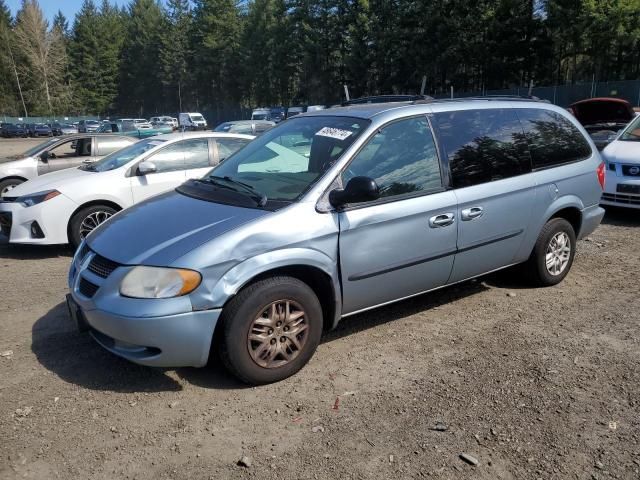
x=8, y=184
x=555, y=233
x=77, y=231
x=250, y=306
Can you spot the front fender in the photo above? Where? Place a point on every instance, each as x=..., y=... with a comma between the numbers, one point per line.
x=230, y=283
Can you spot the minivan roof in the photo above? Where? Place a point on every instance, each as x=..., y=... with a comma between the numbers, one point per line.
x=369, y=110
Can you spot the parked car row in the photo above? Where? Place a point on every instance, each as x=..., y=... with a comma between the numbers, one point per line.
x=9, y=130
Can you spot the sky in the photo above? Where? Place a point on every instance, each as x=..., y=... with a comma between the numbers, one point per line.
x=68, y=7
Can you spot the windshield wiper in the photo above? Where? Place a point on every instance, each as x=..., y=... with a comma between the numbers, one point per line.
x=226, y=182
x=89, y=167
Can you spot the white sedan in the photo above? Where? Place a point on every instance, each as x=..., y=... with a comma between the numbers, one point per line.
x=622, y=184
x=65, y=206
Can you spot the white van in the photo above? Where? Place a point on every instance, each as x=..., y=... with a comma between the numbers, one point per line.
x=192, y=121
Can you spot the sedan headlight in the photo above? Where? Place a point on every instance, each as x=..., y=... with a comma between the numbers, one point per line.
x=35, y=198
x=158, y=282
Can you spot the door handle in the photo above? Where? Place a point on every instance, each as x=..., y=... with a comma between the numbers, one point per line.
x=471, y=213
x=441, y=220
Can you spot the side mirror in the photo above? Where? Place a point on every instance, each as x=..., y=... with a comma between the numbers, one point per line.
x=145, y=168
x=358, y=189
x=44, y=156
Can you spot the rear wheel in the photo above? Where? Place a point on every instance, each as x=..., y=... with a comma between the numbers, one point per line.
x=270, y=330
x=86, y=220
x=553, y=253
x=8, y=184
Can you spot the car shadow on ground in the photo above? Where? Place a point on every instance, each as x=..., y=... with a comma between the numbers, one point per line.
x=76, y=358
x=406, y=308
x=622, y=217
x=33, y=252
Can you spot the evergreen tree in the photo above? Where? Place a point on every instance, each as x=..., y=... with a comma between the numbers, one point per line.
x=175, y=55
x=60, y=23
x=216, y=45
x=140, y=85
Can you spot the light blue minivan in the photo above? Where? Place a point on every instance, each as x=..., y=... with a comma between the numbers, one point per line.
x=333, y=213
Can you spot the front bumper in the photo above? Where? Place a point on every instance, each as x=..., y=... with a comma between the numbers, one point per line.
x=51, y=219
x=621, y=190
x=152, y=332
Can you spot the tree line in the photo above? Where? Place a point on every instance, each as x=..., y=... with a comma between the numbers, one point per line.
x=150, y=57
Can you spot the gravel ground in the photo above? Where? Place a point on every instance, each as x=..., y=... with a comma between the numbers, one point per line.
x=14, y=146
x=532, y=383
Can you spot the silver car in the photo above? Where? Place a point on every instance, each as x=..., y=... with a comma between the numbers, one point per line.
x=57, y=154
x=330, y=214
x=623, y=168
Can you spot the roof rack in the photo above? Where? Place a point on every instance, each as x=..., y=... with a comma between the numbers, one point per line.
x=385, y=99
x=519, y=98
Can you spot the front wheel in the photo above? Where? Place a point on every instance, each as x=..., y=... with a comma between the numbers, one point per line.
x=7, y=185
x=270, y=330
x=86, y=220
x=553, y=253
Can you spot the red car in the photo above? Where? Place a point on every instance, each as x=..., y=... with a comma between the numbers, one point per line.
x=602, y=117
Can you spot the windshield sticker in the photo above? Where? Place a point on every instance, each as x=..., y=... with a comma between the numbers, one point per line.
x=334, y=133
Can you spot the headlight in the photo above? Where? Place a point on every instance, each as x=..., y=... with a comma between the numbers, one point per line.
x=158, y=282
x=35, y=198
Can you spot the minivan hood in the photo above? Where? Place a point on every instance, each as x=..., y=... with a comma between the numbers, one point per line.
x=162, y=229
x=59, y=180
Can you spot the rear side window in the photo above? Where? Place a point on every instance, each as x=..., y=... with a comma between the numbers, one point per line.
x=229, y=146
x=109, y=145
x=483, y=145
x=553, y=139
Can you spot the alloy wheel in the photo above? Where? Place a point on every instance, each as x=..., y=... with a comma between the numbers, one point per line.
x=278, y=334
x=558, y=253
x=92, y=220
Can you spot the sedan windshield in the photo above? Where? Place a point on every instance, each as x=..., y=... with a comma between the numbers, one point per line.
x=632, y=132
x=38, y=148
x=121, y=157
x=285, y=161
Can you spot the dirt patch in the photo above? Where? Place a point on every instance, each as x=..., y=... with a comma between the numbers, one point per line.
x=532, y=383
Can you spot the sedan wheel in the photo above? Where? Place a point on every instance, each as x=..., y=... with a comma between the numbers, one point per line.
x=92, y=220
x=87, y=220
x=7, y=185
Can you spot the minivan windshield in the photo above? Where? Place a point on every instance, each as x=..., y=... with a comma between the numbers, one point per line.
x=121, y=157
x=632, y=132
x=197, y=118
x=285, y=161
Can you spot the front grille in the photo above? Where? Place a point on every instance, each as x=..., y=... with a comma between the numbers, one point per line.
x=87, y=288
x=5, y=223
x=631, y=170
x=103, y=267
x=619, y=198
